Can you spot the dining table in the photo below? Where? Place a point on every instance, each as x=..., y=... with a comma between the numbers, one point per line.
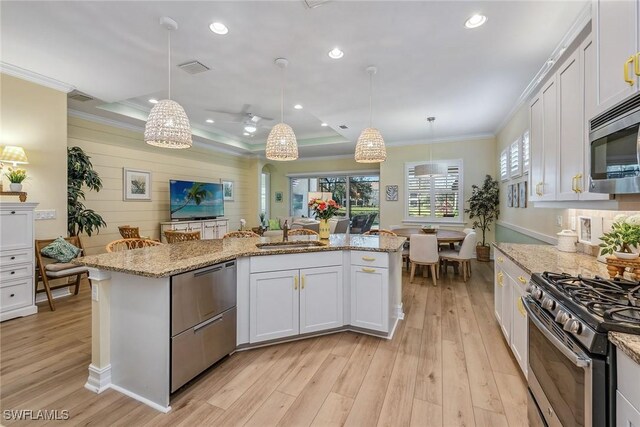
x=443, y=236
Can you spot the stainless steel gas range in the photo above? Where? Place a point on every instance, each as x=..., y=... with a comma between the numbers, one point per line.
x=571, y=362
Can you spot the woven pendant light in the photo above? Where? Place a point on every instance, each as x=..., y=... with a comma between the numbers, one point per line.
x=281, y=143
x=370, y=147
x=168, y=125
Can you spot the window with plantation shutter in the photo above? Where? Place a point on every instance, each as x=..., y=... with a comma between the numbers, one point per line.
x=515, y=164
x=525, y=152
x=436, y=198
x=504, y=165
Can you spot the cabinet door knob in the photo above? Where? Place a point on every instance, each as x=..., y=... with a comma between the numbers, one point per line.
x=13, y=257
x=13, y=212
x=628, y=62
x=12, y=295
x=13, y=272
x=500, y=259
x=522, y=280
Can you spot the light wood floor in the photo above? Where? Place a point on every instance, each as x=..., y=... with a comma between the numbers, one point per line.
x=447, y=365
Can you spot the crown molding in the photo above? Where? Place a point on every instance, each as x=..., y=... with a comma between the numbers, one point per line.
x=140, y=129
x=576, y=28
x=455, y=138
x=36, y=78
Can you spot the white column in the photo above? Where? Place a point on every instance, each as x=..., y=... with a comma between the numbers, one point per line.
x=100, y=367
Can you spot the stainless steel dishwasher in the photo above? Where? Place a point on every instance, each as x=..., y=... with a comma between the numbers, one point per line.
x=203, y=320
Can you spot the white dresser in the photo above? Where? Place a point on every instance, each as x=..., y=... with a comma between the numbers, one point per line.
x=209, y=229
x=17, y=260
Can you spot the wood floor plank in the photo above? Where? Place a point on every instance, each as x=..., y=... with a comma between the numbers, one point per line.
x=347, y=343
x=457, y=407
x=513, y=392
x=272, y=410
x=351, y=377
x=486, y=418
x=450, y=326
x=396, y=409
x=306, y=406
x=429, y=375
x=415, y=319
x=426, y=414
x=334, y=411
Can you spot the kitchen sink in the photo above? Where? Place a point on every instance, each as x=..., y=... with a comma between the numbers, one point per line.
x=290, y=245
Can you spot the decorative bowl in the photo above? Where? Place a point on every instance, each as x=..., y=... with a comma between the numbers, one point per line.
x=625, y=255
x=429, y=230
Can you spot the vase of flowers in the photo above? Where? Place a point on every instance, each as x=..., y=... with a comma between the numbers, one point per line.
x=623, y=237
x=16, y=176
x=324, y=210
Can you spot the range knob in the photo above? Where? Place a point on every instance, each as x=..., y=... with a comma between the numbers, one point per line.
x=562, y=317
x=537, y=293
x=548, y=303
x=573, y=326
x=530, y=288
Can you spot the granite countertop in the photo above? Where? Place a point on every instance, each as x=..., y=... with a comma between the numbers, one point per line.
x=541, y=258
x=627, y=343
x=167, y=260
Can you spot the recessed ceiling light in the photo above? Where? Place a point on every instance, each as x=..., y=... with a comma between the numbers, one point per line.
x=209, y=121
x=475, y=21
x=153, y=100
x=298, y=107
x=250, y=128
x=335, y=53
x=219, y=28
x=246, y=134
x=323, y=124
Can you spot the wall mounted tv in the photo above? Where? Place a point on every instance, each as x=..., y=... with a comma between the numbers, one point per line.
x=195, y=200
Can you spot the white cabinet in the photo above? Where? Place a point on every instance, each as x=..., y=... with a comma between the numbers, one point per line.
x=509, y=287
x=275, y=305
x=615, y=28
x=292, y=302
x=17, y=294
x=626, y=414
x=370, y=298
x=536, y=169
x=544, y=143
x=209, y=229
x=321, y=306
x=628, y=393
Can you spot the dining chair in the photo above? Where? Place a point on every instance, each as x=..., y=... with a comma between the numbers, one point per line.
x=379, y=232
x=240, y=234
x=302, y=232
x=128, y=244
x=424, y=251
x=468, y=230
x=128, y=232
x=341, y=226
x=181, y=236
x=463, y=257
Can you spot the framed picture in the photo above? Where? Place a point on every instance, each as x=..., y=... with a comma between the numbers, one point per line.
x=509, y=196
x=522, y=194
x=515, y=195
x=392, y=193
x=279, y=197
x=227, y=190
x=136, y=185
x=589, y=230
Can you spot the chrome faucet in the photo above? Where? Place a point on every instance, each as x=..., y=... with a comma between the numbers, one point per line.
x=285, y=231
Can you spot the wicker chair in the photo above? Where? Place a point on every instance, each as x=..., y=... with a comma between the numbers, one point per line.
x=382, y=232
x=127, y=244
x=128, y=232
x=47, y=270
x=181, y=236
x=240, y=234
x=302, y=232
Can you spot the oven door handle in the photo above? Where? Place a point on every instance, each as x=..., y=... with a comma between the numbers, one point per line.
x=580, y=360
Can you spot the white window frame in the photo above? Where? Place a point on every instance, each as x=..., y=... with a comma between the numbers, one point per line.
x=504, y=164
x=526, y=151
x=515, y=159
x=432, y=218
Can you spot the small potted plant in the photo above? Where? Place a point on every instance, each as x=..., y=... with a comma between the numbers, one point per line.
x=623, y=237
x=324, y=210
x=483, y=205
x=16, y=176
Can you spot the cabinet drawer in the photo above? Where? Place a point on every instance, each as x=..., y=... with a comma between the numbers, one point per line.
x=295, y=261
x=15, y=257
x=368, y=258
x=628, y=374
x=626, y=414
x=16, y=229
x=16, y=294
x=10, y=272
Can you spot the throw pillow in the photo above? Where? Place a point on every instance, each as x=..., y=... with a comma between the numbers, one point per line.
x=274, y=224
x=60, y=250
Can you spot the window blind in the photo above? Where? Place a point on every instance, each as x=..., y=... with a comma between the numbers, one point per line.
x=435, y=197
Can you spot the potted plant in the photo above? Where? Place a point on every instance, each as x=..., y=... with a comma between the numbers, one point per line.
x=623, y=237
x=483, y=205
x=80, y=172
x=16, y=176
x=324, y=211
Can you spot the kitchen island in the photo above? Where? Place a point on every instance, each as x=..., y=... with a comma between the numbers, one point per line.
x=280, y=292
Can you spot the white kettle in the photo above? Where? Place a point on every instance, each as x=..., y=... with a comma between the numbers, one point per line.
x=567, y=241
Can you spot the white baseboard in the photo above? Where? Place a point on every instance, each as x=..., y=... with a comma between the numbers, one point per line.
x=18, y=312
x=399, y=311
x=163, y=409
x=56, y=293
x=99, y=379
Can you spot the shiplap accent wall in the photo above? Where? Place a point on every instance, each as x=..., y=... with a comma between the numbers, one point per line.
x=111, y=149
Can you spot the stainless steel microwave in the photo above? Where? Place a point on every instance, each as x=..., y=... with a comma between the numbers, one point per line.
x=615, y=149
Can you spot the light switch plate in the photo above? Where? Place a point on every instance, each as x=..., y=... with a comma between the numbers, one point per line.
x=45, y=214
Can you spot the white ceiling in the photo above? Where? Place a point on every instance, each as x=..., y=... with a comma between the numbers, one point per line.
x=428, y=63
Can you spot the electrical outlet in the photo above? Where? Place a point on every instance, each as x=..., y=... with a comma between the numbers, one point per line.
x=45, y=214
x=559, y=221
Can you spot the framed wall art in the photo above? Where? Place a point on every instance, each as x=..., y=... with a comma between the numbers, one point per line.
x=392, y=193
x=279, y=196
x=515, y=195
x=509, y=196
x=227, y=190
x=136, y=185
x=522, y=194
x=589, y=230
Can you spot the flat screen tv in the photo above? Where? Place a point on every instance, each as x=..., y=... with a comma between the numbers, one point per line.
x=195, y=200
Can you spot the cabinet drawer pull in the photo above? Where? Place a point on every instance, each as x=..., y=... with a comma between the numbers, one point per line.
x=12, y=295
x=13, y=272
x=295, y=283
x=636, y=64
x=500, y=259
x=12, y=258
x=13, y=212
x=521, y=308
x=207, y=323
x=302, y=282
x=522, y=280
x=500, y=279
x=573, y=184
x=368, y=258
x=369, y=270
x=628, y=62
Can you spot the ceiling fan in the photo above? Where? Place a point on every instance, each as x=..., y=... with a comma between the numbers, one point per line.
x=250, y=121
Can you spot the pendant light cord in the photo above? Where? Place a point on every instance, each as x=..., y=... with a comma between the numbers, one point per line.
x=282, y=95
x=370, y=99
x=169, y=61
